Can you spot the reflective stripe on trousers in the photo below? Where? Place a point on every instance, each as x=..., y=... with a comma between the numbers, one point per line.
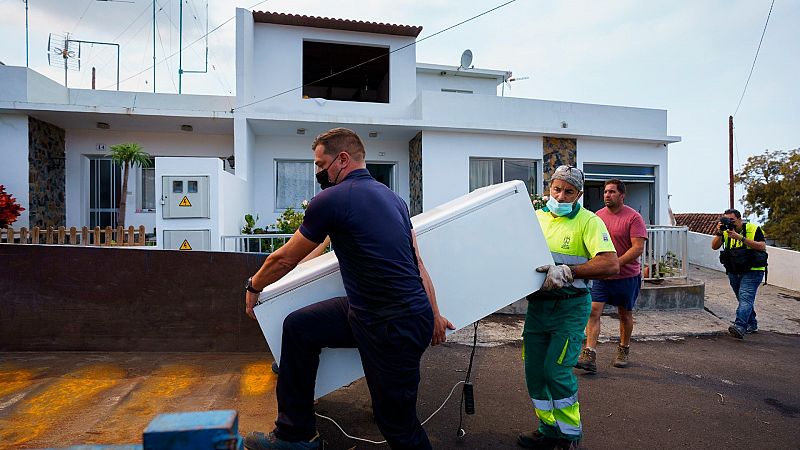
x=563, y=413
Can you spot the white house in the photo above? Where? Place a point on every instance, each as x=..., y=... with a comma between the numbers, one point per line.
x=432, y=133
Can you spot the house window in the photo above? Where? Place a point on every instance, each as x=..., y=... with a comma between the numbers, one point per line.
x=294, y=182
x=354, y=73
x=147, y=188
x=383, y=173
x=488, y=171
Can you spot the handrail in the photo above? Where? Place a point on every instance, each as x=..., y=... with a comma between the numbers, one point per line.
x=666, y=253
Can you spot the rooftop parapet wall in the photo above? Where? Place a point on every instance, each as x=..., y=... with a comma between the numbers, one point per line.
x=565, y=119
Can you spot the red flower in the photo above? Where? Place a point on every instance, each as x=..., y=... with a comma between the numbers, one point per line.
x=9, y=208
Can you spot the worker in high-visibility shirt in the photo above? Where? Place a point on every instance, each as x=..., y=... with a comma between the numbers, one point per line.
x=557, y=314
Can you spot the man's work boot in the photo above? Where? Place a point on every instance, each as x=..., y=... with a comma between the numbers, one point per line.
x=536, y=440
x=587, y=361
x=736, y=332
x=622, y=356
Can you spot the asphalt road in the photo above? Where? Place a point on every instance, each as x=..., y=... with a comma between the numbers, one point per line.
x=709, y=392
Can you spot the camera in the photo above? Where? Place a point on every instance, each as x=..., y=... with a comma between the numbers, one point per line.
x=727, y=223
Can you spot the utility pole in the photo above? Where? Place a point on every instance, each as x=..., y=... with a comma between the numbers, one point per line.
x=730, y=158
x=154, y=46
x=26, y=33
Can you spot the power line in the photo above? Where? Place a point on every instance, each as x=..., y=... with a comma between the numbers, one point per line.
x=377, y=57
x=89, y=5
x=186, y=46
x=754, y=59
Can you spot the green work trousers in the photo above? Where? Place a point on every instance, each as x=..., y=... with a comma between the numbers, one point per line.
x=552, y=338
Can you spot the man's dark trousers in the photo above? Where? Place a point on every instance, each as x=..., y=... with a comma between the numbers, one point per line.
x=390, y=354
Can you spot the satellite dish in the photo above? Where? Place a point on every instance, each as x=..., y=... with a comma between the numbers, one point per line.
x=466, y=59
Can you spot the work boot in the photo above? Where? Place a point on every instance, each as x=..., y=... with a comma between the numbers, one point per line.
x=256, y=440
x=587, y=361
x=622, y=356
x=736, y=332
x=565, y=444
x=536, y=440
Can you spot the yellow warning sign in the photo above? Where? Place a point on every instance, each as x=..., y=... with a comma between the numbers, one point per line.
x=185, y=202
x=185, y=245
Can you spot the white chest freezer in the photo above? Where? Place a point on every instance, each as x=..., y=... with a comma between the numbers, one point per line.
x=481, y=251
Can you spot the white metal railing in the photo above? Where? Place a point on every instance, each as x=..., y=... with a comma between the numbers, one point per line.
x=253, y=243
x=666, y=253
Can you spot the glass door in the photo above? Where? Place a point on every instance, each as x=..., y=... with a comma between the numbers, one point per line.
x=105, y=184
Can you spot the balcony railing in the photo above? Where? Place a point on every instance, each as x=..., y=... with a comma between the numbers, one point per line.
x=253, y=243
x=666, y=253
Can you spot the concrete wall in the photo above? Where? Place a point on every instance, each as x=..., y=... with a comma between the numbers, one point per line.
x=484, y=112
x=276, y=62
x=125, y=299
x=783, y=263
x=82, y=144
x=427, y=81
x=14, y=169
x=445, y=160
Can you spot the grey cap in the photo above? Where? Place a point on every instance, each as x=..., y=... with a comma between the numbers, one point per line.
x=571, y=175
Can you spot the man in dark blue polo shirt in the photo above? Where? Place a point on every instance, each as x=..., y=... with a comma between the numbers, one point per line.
x=389, y=314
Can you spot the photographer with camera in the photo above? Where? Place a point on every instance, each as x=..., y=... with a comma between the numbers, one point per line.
x=745, y=259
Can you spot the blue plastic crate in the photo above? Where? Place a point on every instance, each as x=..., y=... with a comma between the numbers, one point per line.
x=209, y=430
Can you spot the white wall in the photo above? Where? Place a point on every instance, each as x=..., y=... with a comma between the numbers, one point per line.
x=277, y=66
x=80, y=144
x=270, y=148
x=233, y=199
x=445, y=160
x=595, y=151
x=484, y=112
x=782, y=268
x=14, y=168
x=427, y=81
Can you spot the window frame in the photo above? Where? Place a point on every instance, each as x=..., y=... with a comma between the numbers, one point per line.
x=315, y=186
x=140, y=188
x=537, y=188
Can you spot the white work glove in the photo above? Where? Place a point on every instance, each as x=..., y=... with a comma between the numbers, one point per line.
x=557, y=276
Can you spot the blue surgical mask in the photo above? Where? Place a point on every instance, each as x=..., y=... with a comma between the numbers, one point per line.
x=559, y=209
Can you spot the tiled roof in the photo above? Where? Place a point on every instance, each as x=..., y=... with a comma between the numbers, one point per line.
x=698, y=222
x=335, y=24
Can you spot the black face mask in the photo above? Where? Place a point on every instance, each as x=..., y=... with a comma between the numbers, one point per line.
x=322, y=177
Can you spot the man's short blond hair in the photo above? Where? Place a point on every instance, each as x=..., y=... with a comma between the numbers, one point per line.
x=340, y=140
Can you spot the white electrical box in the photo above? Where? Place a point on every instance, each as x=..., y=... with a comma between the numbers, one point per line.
x=185, y=197
x=187, y=240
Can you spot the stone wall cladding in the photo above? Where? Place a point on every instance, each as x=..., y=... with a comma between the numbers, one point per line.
x=47, y=174
x=557, y=152
x=415, y=174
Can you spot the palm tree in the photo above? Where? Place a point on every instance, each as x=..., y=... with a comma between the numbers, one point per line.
x=127, y=155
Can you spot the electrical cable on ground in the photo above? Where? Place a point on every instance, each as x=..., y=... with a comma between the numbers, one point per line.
x=460, y=432
x=377, y=57
x=754, y=59
x=383, y=442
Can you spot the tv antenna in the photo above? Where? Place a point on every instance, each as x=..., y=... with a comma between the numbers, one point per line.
x=510, y=79
x=70, y=52
x=466, y=60
x=61, y=51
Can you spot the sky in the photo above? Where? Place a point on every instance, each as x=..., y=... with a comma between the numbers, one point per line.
x=689, y=57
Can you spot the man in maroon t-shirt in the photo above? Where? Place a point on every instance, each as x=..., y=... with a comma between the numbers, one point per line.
x=628, y=233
